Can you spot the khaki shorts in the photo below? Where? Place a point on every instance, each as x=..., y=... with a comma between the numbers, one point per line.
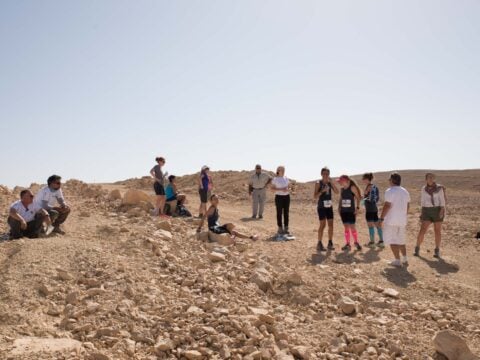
x=431, y=214
x=394, y=235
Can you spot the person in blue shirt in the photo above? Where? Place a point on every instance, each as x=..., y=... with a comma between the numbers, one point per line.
x=174, y=198
x=371, y=198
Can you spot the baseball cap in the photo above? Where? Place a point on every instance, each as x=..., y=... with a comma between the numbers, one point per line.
x=205, y=167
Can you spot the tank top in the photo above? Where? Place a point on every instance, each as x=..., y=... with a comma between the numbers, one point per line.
x=347, y=201
x=325, y=199
x=371, y=198
x=213, y=219
x=205, y=181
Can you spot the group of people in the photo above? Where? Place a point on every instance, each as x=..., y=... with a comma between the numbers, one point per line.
x=42, y=213
x=47, y=210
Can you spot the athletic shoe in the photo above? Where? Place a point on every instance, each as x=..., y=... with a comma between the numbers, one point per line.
x=260, y=217
x=404, y=261
x=417, y=251
x=320, y=247
x=49, y=230
x=358, y=246
x=381, y=244
x=254, y=237
x=371, y=244
x=347, y=247
x=254, y=216
x=330, y=245
x=57, y=230
x=436, y=253
x=285, y=231
x=396, y=263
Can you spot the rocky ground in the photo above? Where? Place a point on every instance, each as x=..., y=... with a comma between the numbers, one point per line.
x=124, y=285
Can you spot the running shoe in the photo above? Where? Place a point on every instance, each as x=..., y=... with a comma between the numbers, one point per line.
x=396, y=263
x=260, y=217
x=436, y=253
x=404, y=261
x=330, y=245
x=381, y=244
x=417, y=251
x=371, y=244
x=358, y=246
x=320, y=247
x=49, y=230
x=347, y=247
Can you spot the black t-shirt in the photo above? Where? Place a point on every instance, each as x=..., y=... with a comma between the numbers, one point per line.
x=325, y=199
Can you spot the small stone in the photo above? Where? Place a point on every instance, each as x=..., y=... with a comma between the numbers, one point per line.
x=391, y=293
x=295, y=279
x=72, y=297
x=216, y=256
x=193, y=355
x=163, y=345
x=347, y=305
x=452, y=346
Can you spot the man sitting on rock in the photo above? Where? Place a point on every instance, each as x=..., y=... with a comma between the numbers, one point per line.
x=26, y=217
x=51, y=199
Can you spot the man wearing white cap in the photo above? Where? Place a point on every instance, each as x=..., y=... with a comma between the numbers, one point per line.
x=205, y=186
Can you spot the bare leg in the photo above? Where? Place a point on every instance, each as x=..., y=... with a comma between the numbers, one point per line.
x=231, y=229
x=438, y=234
x=162, y=200
x=396, y=251
x=321, y=228
x=158, y=203
x=330, y=229
x=422, y=232
x=403, y=249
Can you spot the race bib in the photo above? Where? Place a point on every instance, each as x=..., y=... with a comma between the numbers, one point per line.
x=327, y=203
x=346, y=203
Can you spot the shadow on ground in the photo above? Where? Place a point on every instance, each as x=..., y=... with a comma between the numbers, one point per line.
x=399, y=276
x=441, y=266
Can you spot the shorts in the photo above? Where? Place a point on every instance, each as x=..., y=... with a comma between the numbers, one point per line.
x=204, y=194
x=371, y=216
x=394, y=235
x=431, y=214
x=325, y=213
x=159, y=189
x=348, y=218
x=173, y=198
x=217, y=229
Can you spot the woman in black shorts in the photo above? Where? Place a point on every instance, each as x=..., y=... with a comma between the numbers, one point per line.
x=158, y=185
x=371, y=197
x=205, y=186
x=349, y=206
x=214, y=226
x=323, y=192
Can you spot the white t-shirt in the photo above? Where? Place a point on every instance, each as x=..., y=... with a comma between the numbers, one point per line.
x=51, y=197
x=280, y=182
x=398, y=197
x=27, y=213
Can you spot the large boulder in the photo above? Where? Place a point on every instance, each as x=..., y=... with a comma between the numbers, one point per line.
x=115, y=195
x=135, y=197
x=262, y=278
x=452, y=346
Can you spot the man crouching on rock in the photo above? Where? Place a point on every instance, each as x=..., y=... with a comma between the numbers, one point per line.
x=26, y=218
x=51, y=199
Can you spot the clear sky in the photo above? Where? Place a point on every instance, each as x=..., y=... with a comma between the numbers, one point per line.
x=95, y=90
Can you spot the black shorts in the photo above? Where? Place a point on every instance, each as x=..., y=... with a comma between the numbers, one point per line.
x=371, y=216
x=159, y=189
x=325, y=213
x=348, y=218
x=217, y=229
x=203, y=195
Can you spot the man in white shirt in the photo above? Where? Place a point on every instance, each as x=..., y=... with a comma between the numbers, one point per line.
x=51, y=199
x=394, y=219
x=25, y=217
x=257, y=188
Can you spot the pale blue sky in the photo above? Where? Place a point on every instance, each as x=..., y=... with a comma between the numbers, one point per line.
x=96, y=89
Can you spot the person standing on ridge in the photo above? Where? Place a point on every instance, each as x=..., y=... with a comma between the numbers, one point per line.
x=323, y=192
x=257, y=189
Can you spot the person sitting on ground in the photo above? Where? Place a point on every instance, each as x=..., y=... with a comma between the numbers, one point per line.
x=214, y=226
x=50, y=198
x=174, y=198
x=26, y=218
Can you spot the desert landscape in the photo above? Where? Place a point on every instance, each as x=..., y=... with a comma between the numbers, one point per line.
x=122, y=284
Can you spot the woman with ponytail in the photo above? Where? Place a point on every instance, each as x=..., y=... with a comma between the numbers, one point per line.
x=349, y=206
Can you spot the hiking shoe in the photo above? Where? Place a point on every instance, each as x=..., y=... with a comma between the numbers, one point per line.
x=358, y=246
x=436, y=253
x=396, y=263
x=381, y=244
x=330, y=245
x=320, y=247
x=260, y=217
x=57, y=230
x=254, y=216
x=371, y=244
x=417, y=251
x=347, y=247
x=49, y=230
